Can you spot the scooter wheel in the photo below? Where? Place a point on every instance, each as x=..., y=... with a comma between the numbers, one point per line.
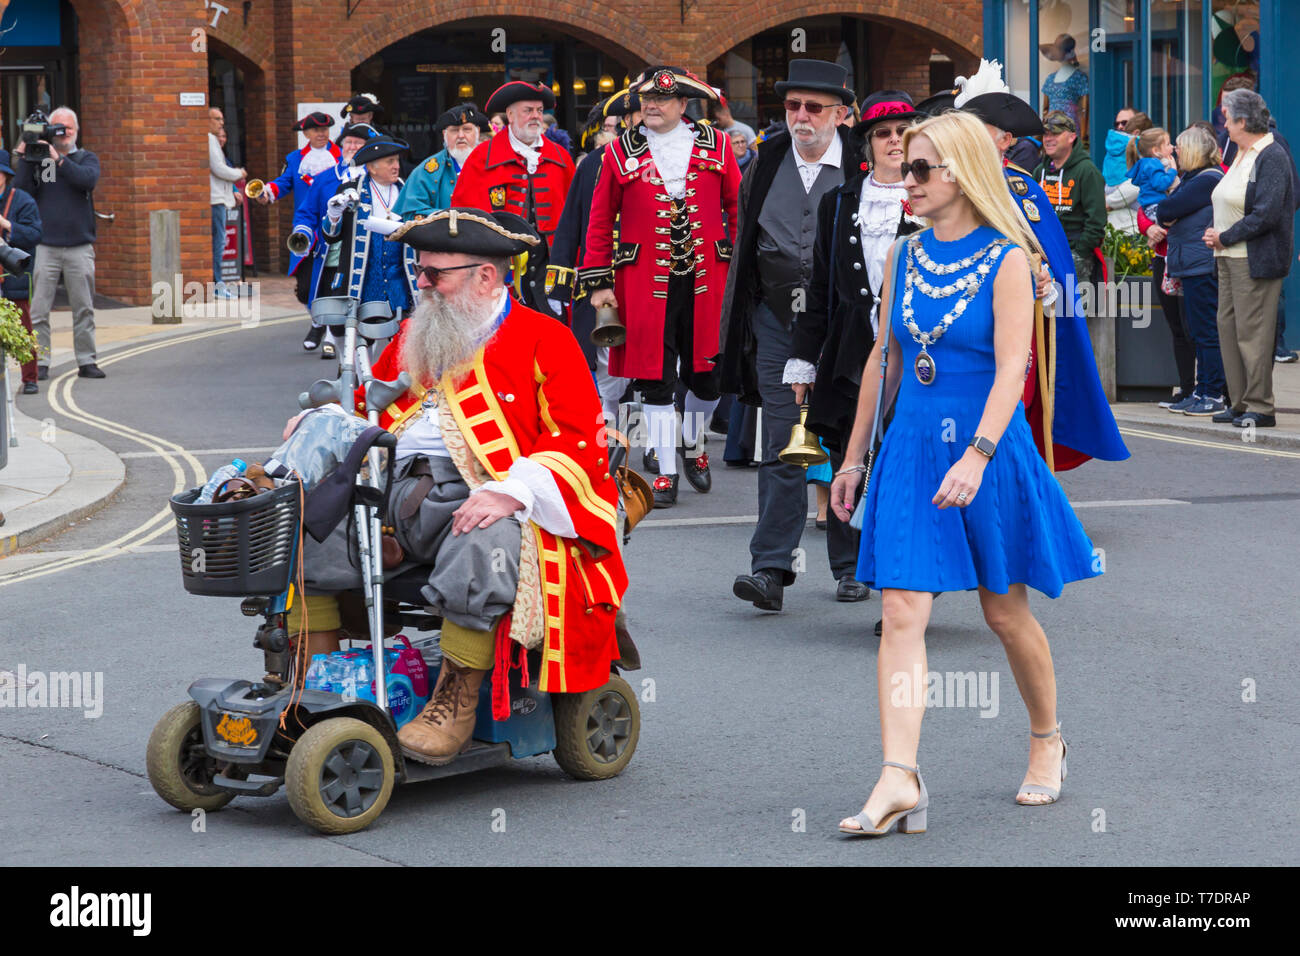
x=340, y=775
x=596, y=732
x=178, y=764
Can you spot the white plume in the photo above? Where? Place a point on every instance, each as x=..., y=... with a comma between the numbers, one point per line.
x=987, y=79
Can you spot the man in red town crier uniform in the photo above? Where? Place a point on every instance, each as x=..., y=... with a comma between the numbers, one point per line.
x=502, y=492
x=520, y=171
x=668, y=183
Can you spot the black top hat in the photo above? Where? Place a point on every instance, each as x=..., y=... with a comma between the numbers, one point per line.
x=673, y=81
x=1062, y=48
x=1005, y=111
x=361, y=103
x=819, y=76
x=378, y=147
x=884, y=106
x=516, y=91
x=360, y=130
x=471, y=231
x=314, y=121
x=460, y=115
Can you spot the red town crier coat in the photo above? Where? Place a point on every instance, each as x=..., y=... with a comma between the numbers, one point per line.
x=495, y=178
x=630, y=188
x=530, y=393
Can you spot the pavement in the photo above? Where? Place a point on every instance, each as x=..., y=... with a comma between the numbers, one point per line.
x=55, y=478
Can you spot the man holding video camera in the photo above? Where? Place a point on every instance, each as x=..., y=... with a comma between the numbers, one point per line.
x=62, y=179
x=20, y=231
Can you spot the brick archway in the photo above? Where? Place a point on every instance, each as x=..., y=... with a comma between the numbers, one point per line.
x=610, y=30
x=957, y=34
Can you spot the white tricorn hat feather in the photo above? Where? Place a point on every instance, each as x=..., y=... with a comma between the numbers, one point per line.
x=987, y=79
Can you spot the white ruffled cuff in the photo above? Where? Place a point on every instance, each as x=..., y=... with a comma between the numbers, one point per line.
x=799, y=372
x=534, y=487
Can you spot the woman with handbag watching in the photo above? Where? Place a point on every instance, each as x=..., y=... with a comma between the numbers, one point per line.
x=960, y=498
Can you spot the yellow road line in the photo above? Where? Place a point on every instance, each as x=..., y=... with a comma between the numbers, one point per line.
x=1221, y=446
x=159, y=523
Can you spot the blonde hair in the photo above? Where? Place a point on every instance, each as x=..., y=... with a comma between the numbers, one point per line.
x=965, y=146
x=1197, y=149
x=1150, y=139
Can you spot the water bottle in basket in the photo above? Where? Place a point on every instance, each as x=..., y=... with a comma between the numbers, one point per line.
x=219, y=478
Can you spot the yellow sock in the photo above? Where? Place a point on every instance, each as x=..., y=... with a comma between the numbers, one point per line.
x=322, y=613
x=472, y=649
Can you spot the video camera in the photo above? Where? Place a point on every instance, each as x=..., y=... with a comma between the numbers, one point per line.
x=12, y=259
x=38, y=127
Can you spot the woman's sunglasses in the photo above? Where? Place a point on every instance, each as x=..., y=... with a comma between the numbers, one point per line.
x=884, y=132
x=433, y=273
x=919, y=170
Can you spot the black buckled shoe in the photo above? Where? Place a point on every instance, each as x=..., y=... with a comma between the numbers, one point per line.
x=327, y=351
x=851, y=589
x=665, y=491
x=650, y=461
x=764, y=588
x=697, y=472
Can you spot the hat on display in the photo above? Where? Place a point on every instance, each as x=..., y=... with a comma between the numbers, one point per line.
x=517, y=91
x=378, y=147
x=886, y=106
x=471, y=231
x=1061, y=49
x=673, y=81
x=361, y=103
x=820, y=76
x=315, y=120
x=460, y=115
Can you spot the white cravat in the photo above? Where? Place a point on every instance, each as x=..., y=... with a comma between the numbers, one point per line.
x=316, y=161
x=531, y=155
x=671, y=152
x=808, y=170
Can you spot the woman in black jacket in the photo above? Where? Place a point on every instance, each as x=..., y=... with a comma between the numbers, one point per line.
x=20, y=226
x=856, y=225
x=1186, y=214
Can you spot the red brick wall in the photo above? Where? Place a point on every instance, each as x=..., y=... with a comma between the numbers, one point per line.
x=136, y=56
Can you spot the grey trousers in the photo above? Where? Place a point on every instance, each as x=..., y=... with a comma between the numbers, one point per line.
x=1247, y=322
x=473, y=577
x=76, y=265
x=782, y=488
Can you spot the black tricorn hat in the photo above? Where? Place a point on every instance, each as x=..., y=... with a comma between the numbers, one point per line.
x=378, y=147
x=622, y=103
x=359, y=130
x=316, y=120
x=361, y=103
x=518, y=90
x=471, y=231
x=460, y=115
x=938, y=103
x=821, y=76
x=673, y=81
x=883, y=106
x=1006, y=111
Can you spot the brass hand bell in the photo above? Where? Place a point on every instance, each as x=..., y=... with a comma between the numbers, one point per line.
x=803, y=448
x=610, y=330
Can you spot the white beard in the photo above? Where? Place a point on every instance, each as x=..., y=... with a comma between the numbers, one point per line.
x=444, y=334
x=460, y=155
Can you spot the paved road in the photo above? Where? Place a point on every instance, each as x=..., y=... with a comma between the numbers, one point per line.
x=757, y=721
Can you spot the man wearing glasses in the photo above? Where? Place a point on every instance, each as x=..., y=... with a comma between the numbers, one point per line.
x=522, y=172
x=766, y=297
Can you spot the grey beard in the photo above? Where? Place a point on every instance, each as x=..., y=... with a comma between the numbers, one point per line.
x=444, y=334
x=460, y=155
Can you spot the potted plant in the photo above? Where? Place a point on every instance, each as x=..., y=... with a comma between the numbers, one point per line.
x=15, y=340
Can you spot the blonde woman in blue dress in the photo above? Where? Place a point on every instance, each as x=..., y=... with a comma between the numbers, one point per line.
x=958, y=497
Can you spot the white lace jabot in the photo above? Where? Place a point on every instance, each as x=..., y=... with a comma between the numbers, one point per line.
x=671, y=152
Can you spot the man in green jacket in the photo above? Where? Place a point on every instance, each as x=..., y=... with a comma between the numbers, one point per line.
x=1076, y=189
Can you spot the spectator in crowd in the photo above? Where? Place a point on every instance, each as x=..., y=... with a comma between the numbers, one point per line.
x=1253, y=242
x=20, y=226
x=1169, y=292
x=1121, y=194
x=1154, y=173
x=221, y=193
x=63, y=183
x=1076, y=190
x=1186, y=214
x=497, y=123
x=742, y=144
x=1026, y=153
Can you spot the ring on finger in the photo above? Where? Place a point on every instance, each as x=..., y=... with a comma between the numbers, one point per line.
x=962, y=496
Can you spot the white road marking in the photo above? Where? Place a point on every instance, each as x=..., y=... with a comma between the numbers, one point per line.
x=204, y=451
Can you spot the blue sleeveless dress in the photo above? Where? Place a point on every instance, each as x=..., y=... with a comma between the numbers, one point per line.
x=1019, y=527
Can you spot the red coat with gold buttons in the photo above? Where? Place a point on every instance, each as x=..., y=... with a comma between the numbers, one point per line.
x=630, y=189
x=496, y=178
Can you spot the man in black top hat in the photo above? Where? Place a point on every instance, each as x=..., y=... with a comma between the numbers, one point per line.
x=767, y=290
x=432, y=182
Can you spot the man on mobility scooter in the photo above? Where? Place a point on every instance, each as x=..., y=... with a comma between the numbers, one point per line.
x=502, y=488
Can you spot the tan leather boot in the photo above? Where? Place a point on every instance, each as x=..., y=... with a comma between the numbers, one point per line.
x=446, y=724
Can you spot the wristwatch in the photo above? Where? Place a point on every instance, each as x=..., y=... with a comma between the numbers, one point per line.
x=983, y=446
